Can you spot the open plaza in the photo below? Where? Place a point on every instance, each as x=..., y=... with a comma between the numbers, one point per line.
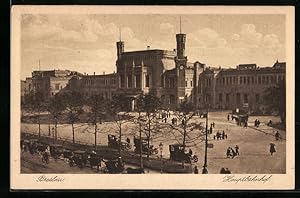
x=253, y=142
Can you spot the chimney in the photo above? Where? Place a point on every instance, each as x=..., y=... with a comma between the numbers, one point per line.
x=103, y=73
x=148, y=47
x=94, y=73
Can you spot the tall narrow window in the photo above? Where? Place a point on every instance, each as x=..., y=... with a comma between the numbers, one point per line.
x=191, y=83
x=147, y=80
x=256, y=97
x=245, y=98
x=238, y=98
x=220, y=97
x=129, y=81
x=227, y=97
x=138, y=81
x=162, y=81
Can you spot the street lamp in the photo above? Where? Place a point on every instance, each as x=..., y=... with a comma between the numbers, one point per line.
x=161, y=146
x=204, y=170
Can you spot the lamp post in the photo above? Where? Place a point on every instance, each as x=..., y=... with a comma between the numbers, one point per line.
x=204, y=170
x=161, y=146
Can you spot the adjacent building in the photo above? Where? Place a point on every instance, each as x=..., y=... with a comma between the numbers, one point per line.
x=51, y=82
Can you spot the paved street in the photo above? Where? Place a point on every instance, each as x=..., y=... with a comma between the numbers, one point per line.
x=253, y=142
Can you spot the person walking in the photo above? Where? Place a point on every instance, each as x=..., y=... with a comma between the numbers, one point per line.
x=277, y=136
x=272, y=148
x=223, y=135
x=196, y=171
x=237, y=150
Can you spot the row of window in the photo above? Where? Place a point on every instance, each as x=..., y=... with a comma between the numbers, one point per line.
x=187, y=82
x=135, y=84
x=106, y=82
x=229, y=98
x=247, y=80
x=238, y=97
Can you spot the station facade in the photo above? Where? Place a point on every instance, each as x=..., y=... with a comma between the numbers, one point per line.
x=168, y=75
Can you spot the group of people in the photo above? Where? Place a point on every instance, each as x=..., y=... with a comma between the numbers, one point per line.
x=230, y=152
x=220, y=136
x=174, y=121
x=256, y=123
x=225, y=171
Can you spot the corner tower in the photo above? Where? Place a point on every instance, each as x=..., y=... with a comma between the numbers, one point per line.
x=120, y=47
x=181, y=59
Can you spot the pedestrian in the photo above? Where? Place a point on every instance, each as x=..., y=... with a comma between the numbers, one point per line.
x=128, y=140
x=227, y=171
x=277, y=135
x=228, y=152
x=214, y=125
x=223, y=135
x=204, y=171
x=214, y=137
x=272, y=148
x=270, y=123
x=237, y=150
x=228, y=117
x=258, y=123
x=211, y=131
x=233, y=152
x=196, y=171
x=222, y=171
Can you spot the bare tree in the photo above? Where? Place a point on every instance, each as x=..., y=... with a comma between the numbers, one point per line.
x=34, y=103
x=56, y=106
x=98, y=108
x=73, y=102
x=119, y=109
x=149, y=104
x=186, y=126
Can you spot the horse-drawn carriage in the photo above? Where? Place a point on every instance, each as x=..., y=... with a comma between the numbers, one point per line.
x=82, y=159
x=181, y=153
x=239, y=115
x=144, y=142
x=115, y=165
x=114, y=142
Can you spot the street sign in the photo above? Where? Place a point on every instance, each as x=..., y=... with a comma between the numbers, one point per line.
x=210, y=145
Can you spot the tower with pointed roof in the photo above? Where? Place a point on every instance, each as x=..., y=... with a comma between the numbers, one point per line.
x=120, y=46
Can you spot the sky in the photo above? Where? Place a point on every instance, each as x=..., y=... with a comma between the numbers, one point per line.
x=87, y=43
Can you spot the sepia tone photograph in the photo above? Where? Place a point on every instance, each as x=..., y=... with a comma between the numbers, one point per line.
x=103, y=93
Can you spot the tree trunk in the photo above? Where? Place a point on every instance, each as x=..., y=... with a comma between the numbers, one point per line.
x=49, y=130
x=120, y=136
x=55, y=128
x=73, y=131
x=95, y=136
x=148, y=139
x=141, y=148
x=183, y=143
x=39, y=121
